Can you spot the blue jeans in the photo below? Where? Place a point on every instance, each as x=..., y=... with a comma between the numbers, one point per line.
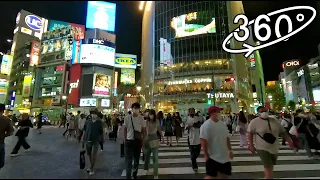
x=2, y=155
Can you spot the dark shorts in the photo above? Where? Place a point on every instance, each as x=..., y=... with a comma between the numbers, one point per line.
x=2, y=155
x=213, y=167
x=92, y=148
x=268, y=159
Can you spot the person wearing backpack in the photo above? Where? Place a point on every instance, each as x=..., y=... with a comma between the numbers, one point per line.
x=286, y=123
x=266, y=131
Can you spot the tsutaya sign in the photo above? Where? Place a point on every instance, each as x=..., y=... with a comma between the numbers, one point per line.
x=188, y=81
x=220, y=95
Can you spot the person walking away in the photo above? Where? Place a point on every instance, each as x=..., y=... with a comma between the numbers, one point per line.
x=286, y=123
x=68, y=123
x=92, y=132
x=228, y=122
x=178, y=125
x=121, y=138
x=216, y=146
x=77, y=120
x=72, y=126
x=133, y=133
x=6, y=129
x=82, y=121
x=101, y=142
x=24, y=125
x=242, y=122
x=266, y=131
x=301, y=122
x=193, y=127
x=40, y=123
x=168, y=123
x=160, y=117
x=151, y=144
x=63, y=121
x=234, y=122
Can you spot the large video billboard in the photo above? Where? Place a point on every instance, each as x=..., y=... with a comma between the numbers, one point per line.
x=6, y=64
x=194, y=23
x=77, y=30
x=101, y=85
x=127, y=76
x=35, y=53
x=125, y=61
x=97, y=54
x=101, y=15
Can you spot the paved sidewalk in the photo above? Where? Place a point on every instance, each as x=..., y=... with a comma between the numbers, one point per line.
x=52, y=156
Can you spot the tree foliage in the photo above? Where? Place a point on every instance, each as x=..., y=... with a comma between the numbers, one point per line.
x=291, y=105
x=278, y=97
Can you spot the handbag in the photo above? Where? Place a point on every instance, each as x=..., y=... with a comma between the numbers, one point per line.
x=268, y=137
x=82, y=158
x=294, y=129
x=136, y=134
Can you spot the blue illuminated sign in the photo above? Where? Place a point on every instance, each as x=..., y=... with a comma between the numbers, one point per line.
x=101, y=15
x=33, y=22
x=53, y=25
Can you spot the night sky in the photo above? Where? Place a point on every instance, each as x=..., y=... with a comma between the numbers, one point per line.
x=129, y=19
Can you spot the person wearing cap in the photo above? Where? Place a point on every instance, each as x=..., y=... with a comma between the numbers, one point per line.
x=92, y=133
x=193, y=127
x=216, y=146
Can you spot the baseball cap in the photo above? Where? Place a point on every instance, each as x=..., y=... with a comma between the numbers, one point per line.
x=214, y=109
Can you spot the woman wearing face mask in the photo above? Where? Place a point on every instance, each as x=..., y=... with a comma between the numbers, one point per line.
x=242, y=122
x=168, y=129
x=151, y=143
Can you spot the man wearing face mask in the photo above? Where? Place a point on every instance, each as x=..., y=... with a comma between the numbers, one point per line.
x=266, y=131
x=216, y=146
x=193, y=127
x=92, y=132
x=134, y=133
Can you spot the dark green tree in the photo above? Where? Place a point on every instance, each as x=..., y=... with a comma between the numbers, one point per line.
x=278, y=97
x=291, y=105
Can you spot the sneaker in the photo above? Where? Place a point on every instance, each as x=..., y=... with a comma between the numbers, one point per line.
x=14, y=154
x=88, y=170
x=26, y=150
x=146, y=172
x=156, y=177
x=91, y=173
x=195, y=169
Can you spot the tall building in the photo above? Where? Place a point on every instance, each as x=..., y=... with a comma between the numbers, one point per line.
x=187, y=66
x=25, y=52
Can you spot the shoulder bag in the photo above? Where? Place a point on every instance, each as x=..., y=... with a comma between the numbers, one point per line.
x=151, y=141
x=136, y=134
x=268, y=137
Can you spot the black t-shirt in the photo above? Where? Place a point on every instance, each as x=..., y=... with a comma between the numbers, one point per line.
x=302, y=128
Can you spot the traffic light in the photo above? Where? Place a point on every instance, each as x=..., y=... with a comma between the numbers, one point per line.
x=209, y=102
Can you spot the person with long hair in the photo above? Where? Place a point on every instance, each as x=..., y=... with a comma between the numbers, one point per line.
x=168, y=129
x=151, y=144
x=177, y=121
x=242, y=122
x=160, y=117
x=24, y=125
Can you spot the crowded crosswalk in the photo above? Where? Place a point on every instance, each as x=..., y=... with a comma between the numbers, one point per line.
x=175, y=163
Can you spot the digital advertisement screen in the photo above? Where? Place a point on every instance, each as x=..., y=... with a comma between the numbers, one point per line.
x=88, y=102
x=35, y=52
x=101, y=85
x=194, y=23
x=125, y=61
x=6, y=64
x=26, y=86
x=101, y=15
x=127, y=76
x=97, y=54
x=3, y=83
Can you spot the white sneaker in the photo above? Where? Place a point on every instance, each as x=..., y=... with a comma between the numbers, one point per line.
x=88, y=170
x=146, y=172
x=26, y=150
x=156, y=177
x=13, y=155
x=91, y=173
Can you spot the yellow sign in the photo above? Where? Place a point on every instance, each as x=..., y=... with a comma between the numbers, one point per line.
x=125, y=61
x=26, y=85
x=6, y=64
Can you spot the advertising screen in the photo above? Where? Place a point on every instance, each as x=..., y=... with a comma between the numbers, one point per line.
x=316, y=94
x=101, y=15
x=88, y=102
x=6, y=64
x=97, y=54
x=194, y=23
x=53, y=25
x=35, y=52
x=105, y=102
x=76, y=51
x=3, y=83
x=125, y=61
x=101, y=85
x=127, y=76
x=26, y=85
x=165, y=52
x=77, y=30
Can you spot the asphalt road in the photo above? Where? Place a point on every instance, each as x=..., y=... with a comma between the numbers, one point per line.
x=54, y=157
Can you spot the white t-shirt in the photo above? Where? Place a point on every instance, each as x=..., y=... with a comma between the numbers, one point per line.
x=216, y=134
x=138, y=123
x=194, y=133
x=81, y=123
x=258, y=125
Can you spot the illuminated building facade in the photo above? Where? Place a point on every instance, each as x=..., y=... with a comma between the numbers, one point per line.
x=190, y=68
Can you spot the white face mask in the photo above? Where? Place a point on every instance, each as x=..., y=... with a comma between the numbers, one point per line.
x=264, y=115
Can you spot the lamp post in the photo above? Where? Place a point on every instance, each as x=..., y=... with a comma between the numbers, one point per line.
x=64, y=98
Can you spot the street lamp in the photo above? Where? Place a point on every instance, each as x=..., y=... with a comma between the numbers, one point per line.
x=270, y=97
x=64, y=98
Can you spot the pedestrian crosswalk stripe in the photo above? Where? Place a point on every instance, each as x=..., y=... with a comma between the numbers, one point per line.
x=175, y=162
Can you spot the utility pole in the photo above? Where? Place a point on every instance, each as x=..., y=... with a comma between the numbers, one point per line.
x=213, y=93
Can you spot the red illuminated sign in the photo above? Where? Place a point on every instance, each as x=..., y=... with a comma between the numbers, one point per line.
x=60, y=68
x=75, y=76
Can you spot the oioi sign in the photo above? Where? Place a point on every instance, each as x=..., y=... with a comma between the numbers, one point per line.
x=291, y=63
